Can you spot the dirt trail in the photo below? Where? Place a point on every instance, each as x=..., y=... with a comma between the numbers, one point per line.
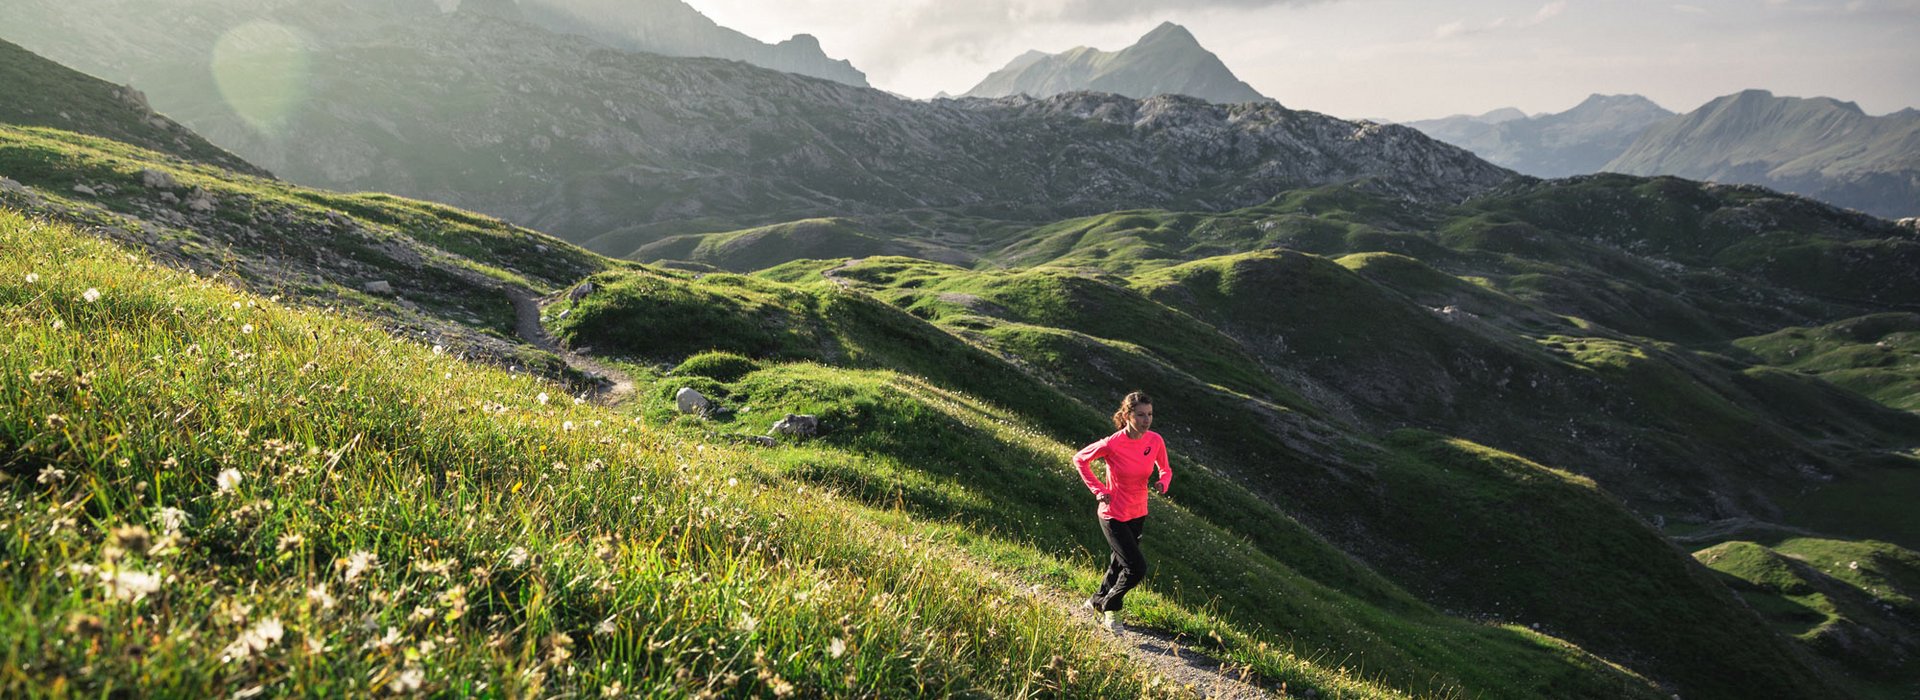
x=1165, y=653
x=833, y=274
x=615, y=386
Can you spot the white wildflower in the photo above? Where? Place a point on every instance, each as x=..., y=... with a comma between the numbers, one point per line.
x=747, y=623
x=408, y=681
x=517, y=556
x=439, y=349
x=612, y=691
x=837, y=648
x=171, y=519
x=319, y=596
x=260, y=637
x=358, y=563
x=606, y=628
x=228, y=480
x=246, y=329
x=130, y=586
x=52, y=475
x=59, y=324
x=91, y=295
x=33, y=277
x=568, y=426
x=543, y=398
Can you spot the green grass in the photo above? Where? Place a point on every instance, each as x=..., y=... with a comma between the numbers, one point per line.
x=1850, y=601
x=511, y=545
x=1877, y=356
x=902, y=442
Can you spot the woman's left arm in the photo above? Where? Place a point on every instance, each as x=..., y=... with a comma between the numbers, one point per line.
x=1166, y=468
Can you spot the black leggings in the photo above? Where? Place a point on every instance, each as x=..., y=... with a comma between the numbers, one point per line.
x=1128, y=567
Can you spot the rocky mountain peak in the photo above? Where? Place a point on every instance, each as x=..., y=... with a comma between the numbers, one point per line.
x=1167, y=60
x=1169, y=34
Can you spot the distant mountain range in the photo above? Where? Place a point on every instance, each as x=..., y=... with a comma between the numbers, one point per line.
x=1575, y=142
x=674, y=28
x=1167, y=61
x=1818, y=147
x=617, y=149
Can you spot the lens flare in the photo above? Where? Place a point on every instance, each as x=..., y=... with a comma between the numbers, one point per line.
x=262, y=70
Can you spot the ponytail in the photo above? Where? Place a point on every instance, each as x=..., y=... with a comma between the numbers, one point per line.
x=1127, y=405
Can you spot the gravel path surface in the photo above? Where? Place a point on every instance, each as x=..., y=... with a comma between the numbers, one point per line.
x=1184, y=667
x=615, y=385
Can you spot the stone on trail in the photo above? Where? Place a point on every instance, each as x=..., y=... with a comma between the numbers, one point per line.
x=797, y=425
x=377, y=287
x=690, y=401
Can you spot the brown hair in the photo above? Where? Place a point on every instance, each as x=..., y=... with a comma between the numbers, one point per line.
x=1126, y=408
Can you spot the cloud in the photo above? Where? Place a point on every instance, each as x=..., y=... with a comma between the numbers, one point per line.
x=1459, y=28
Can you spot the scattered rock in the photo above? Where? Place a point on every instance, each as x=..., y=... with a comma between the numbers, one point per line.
x=169, y=198
x=10, y=185
x=84, y=189
x=377, y=287
x=1911, y=223
x=762, y=441
x=579, y=293
x=133, y=98
x=201, y=201
x=690, y=401
x=797, y=425
x=157, y=179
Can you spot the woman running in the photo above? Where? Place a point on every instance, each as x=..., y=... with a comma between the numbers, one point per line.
x=1131, y=453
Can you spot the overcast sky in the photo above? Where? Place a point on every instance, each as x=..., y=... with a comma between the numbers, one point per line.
x=1397, y=59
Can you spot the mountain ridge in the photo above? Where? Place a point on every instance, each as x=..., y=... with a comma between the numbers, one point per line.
x=1166, y=60
x=652, y=146
x=1822, y=147
x=1578, y=141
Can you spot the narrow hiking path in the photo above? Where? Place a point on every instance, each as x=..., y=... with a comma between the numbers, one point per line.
x=833, y=274
x=616, y=386
x=1164, y=654
x=1187, y=669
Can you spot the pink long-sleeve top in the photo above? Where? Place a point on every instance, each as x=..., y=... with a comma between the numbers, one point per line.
x=1130, y=463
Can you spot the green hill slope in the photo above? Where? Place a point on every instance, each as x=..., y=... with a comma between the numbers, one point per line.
x=37, y=92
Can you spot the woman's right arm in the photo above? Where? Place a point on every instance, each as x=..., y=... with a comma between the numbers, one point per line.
x=1084, y=461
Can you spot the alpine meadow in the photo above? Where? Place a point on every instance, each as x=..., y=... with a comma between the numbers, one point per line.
x=577, y=348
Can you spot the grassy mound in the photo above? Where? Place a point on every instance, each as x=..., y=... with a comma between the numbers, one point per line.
x=1877, y=355
x=1849, y=601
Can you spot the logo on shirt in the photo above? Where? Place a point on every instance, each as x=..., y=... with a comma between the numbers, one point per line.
x=1147, y=451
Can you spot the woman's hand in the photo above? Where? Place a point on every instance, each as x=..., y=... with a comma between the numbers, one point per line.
x=1103, y=498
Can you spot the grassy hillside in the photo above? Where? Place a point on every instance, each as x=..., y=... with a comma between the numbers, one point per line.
x=451, y=275
x=443, y=528
x=206, y=533
x=767, y=246
x=37, y=92
x=1850, y=601
x=1877, y=355
x=1264, y=465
